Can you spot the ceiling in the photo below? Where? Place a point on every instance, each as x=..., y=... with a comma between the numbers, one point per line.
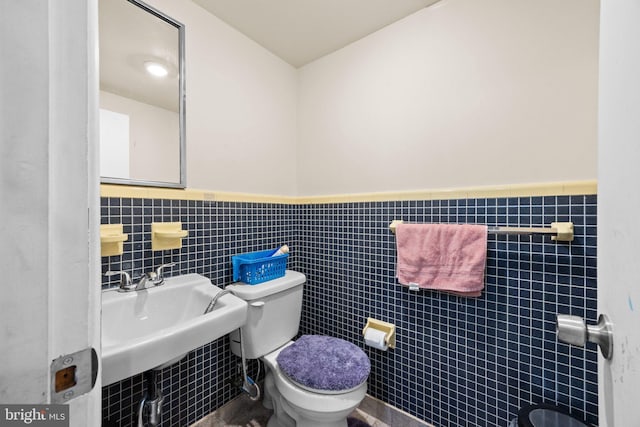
x=300, y=31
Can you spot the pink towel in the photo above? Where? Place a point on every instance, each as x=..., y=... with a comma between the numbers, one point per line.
x=444, y=257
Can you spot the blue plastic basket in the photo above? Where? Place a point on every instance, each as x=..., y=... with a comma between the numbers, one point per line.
x=257, y=267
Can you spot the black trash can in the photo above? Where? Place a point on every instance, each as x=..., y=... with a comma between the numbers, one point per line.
x=545, y=415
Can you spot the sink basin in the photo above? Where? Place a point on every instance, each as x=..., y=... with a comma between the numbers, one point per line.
x=146, y=329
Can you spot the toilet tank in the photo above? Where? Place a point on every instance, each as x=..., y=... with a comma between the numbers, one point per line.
x=273, y=318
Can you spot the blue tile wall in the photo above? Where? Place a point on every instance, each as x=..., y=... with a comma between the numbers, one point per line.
x=200, y=383
x=458, y=361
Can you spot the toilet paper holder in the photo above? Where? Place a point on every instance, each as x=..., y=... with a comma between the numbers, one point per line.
x=389, y=330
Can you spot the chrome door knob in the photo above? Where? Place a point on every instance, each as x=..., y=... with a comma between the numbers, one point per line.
x=573, y=330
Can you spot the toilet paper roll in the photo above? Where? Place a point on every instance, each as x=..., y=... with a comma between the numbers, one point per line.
x=375, y=338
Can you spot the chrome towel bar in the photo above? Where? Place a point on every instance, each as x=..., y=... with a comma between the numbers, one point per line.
x=559, y=231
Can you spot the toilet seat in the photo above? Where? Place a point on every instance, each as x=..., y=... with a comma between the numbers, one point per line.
x=318, y=390
x=323, y=364
x=311, y=400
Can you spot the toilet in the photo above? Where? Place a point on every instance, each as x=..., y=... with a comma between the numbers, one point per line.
x=311, y=382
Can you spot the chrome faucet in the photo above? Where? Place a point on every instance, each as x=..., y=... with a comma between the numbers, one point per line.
x=126, y=285
x=154, y=278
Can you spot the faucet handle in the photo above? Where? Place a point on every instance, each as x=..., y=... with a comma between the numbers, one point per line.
x=162, y=267
x=125, y=279
x=159, y=277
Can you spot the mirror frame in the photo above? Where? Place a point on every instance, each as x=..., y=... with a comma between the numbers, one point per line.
x=182, y=112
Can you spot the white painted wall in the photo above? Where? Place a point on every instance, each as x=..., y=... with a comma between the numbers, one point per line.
x=154, y=135
x=50, y=298
x=241, y=108
x=463, y=93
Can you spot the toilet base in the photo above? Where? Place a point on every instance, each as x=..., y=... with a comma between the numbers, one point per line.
x=272, y=400
x=285, y=415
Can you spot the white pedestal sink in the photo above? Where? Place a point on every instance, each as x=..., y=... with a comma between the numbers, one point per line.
x=145, y=329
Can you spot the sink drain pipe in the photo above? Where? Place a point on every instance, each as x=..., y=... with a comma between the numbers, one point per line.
x=151, y=404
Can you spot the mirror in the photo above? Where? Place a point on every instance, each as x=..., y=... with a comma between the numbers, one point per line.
x=142, y=136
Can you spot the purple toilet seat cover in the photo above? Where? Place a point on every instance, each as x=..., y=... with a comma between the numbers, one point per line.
x=324, y=363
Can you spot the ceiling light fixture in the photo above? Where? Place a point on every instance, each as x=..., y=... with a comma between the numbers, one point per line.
x=156, y=69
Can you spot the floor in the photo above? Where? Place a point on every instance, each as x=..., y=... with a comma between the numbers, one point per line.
x=242, y=412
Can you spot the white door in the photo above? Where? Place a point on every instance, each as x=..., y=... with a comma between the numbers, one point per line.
x=619, y=209
x=49, y=244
